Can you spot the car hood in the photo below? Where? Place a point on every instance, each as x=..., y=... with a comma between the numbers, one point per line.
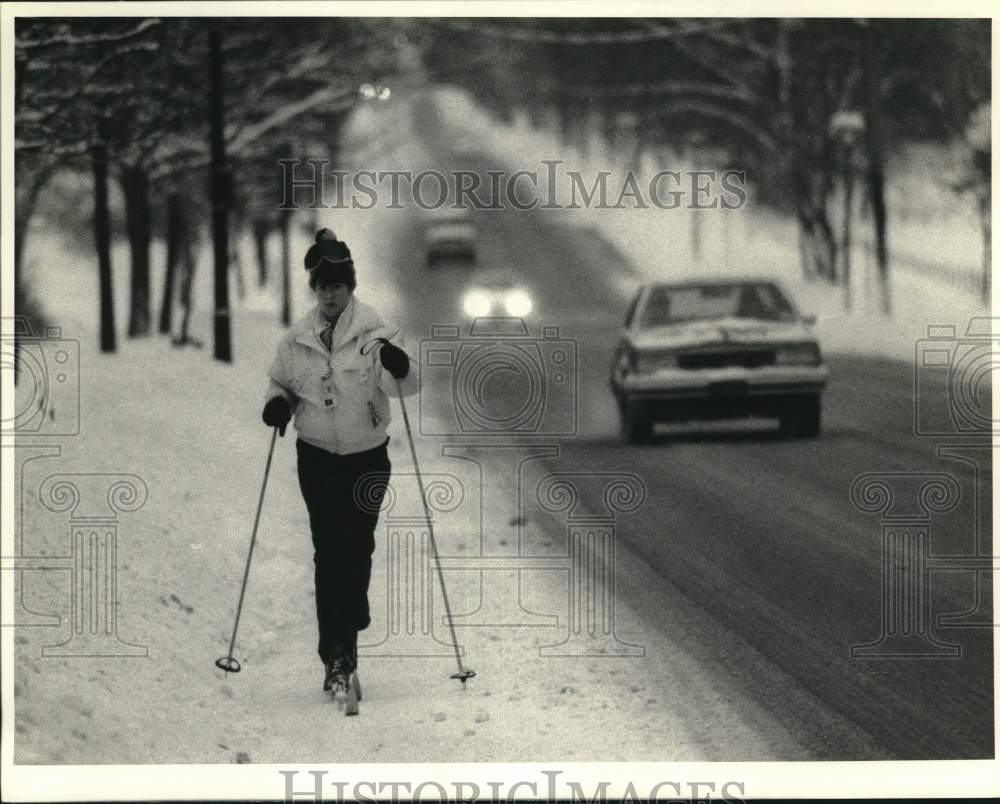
x=747, y=331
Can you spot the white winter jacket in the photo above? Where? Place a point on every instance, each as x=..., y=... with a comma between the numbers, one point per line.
x=339, y=397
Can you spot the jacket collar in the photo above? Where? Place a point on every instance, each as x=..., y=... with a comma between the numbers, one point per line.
x=364, y=323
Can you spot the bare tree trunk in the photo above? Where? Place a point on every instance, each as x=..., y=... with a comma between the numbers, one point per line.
x=846, y=244
x=25, y=305
x=286, y=268
x=102, y=241
x=825, y=247
x=806, y=261
x=567, y=124
x=24, y=210
x=784, y=128
x=985, y=211
x=260, y=230
x=138, y=222
x=875, y=175
x=26, y=192
x=221, y=194
x=783, y=65
x=189, y=265
x=175, y=237
x=876, y=190
x=805, y=210
x=236, y=261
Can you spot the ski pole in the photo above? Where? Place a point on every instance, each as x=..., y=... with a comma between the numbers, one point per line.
x=463, y=672
x=228, y=663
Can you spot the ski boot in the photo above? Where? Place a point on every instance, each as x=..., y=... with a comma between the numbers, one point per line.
x=355, y=682
x=342, y=681
x=337, y=677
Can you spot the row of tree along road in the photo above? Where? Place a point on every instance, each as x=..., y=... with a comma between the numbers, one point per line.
x=191, y=116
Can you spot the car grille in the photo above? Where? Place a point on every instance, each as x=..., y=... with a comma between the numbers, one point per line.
x=743, y=358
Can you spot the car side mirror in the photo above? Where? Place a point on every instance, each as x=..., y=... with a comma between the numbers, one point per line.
x=809, y=319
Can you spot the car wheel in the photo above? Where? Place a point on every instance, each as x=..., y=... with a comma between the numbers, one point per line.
x=636, y=425
x=803, y=418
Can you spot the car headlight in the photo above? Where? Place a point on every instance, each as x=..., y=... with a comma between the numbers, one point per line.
x=477, y=304
x=798, y=354
x=517, y=303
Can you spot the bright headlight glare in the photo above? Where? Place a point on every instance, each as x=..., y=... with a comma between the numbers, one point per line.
x=476, y=304
x=517, y=303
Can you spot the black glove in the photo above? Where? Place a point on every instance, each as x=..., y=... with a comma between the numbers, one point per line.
x=394, y=360
x=277, y=413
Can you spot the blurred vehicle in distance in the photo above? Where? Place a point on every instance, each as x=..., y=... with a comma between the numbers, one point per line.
x=496, y=292
x=709, y=349
x=450, y=237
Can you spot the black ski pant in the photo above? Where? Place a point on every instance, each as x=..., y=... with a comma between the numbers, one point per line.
x=343, y=494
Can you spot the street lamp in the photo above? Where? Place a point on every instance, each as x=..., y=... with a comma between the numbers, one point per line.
x=846, y=128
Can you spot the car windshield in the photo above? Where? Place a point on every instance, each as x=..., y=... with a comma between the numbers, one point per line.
x=673, y=305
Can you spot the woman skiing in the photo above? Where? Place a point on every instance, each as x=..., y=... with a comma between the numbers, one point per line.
x=333, y=371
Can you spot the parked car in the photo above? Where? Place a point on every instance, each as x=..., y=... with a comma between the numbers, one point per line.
x=717, y=349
